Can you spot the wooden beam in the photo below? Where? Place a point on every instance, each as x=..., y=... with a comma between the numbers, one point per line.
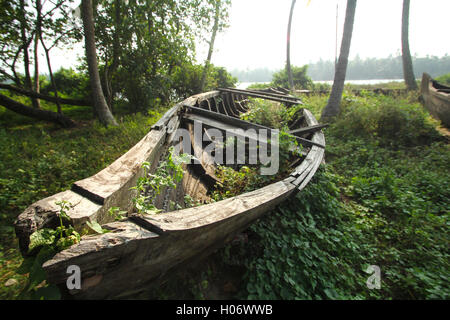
x=244, y=124
x=308, y=129
x=225, y=119
x=262, y=96
x=268, y=93
x=166, y=118
x=307, y=142
x=233, y=129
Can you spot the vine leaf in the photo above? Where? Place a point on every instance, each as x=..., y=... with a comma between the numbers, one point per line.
x=94, y=225
x=42, y=237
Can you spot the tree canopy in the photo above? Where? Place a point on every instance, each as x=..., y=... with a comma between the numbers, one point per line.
x=145, y=49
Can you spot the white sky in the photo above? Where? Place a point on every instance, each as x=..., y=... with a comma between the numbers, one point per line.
x=257, y=35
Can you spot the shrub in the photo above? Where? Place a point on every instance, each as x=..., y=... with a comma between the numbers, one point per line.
x=73, y=84
x=444, y=79
x=266, y=113
x=392, y=122
x=299, y=76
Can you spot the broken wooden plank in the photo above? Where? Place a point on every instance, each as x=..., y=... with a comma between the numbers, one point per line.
x=309, y=129
x=159, y=125
x=243, y=124
x=309, y=143
x=226, y=119
x=263, y=96
x=44, y=214
x=270, y=94
x=231, y=129
x=111, y=185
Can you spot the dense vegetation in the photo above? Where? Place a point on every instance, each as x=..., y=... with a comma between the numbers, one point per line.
x=145, y=52
x=381, y=199
x=444, y=79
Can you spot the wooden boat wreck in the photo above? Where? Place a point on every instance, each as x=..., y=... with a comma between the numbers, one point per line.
x=436, y=99
x=142, y=248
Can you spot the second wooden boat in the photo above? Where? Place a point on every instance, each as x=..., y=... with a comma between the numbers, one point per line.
x=436, y=99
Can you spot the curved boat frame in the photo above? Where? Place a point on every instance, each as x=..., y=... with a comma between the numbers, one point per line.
x=140, y=249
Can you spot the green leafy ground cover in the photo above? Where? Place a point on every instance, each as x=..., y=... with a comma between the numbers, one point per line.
x=381, y=199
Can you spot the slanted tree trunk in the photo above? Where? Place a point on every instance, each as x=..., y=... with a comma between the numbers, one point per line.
x=111, y=69
x=45, y=115
x=50, y=71
x=333, y=106
x=288, y=60
x=25, y=46
x=103, y=112
x=32, y=94
x=408, y=72
x=36, y=87
x=211, y=45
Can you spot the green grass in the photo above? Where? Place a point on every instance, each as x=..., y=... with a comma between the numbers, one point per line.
x=38, y=159
x=382, y=199
x=393, y=85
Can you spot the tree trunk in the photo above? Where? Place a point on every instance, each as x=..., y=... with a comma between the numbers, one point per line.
x=288, y=60
x=36, y=87
x=36, y=95
x=333, y=106
x=211, y=46
x=408, y=71
x=52, y=79
x=103, y=112
x=45, y=115
x=111, y=69
x=25, y=45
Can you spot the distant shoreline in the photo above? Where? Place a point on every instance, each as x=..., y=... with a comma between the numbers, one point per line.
x=244, y=85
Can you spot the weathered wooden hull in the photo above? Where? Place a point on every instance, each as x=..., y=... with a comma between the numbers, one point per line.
x=141, y=249
x=436, y=99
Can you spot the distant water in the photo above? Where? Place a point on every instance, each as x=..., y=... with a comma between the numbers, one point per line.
x=244, y=85
x=371, y=81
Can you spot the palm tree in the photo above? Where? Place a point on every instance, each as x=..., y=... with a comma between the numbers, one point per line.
x=288, y=60
x=408, y=71
x=103, y=112
x=333, y=106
